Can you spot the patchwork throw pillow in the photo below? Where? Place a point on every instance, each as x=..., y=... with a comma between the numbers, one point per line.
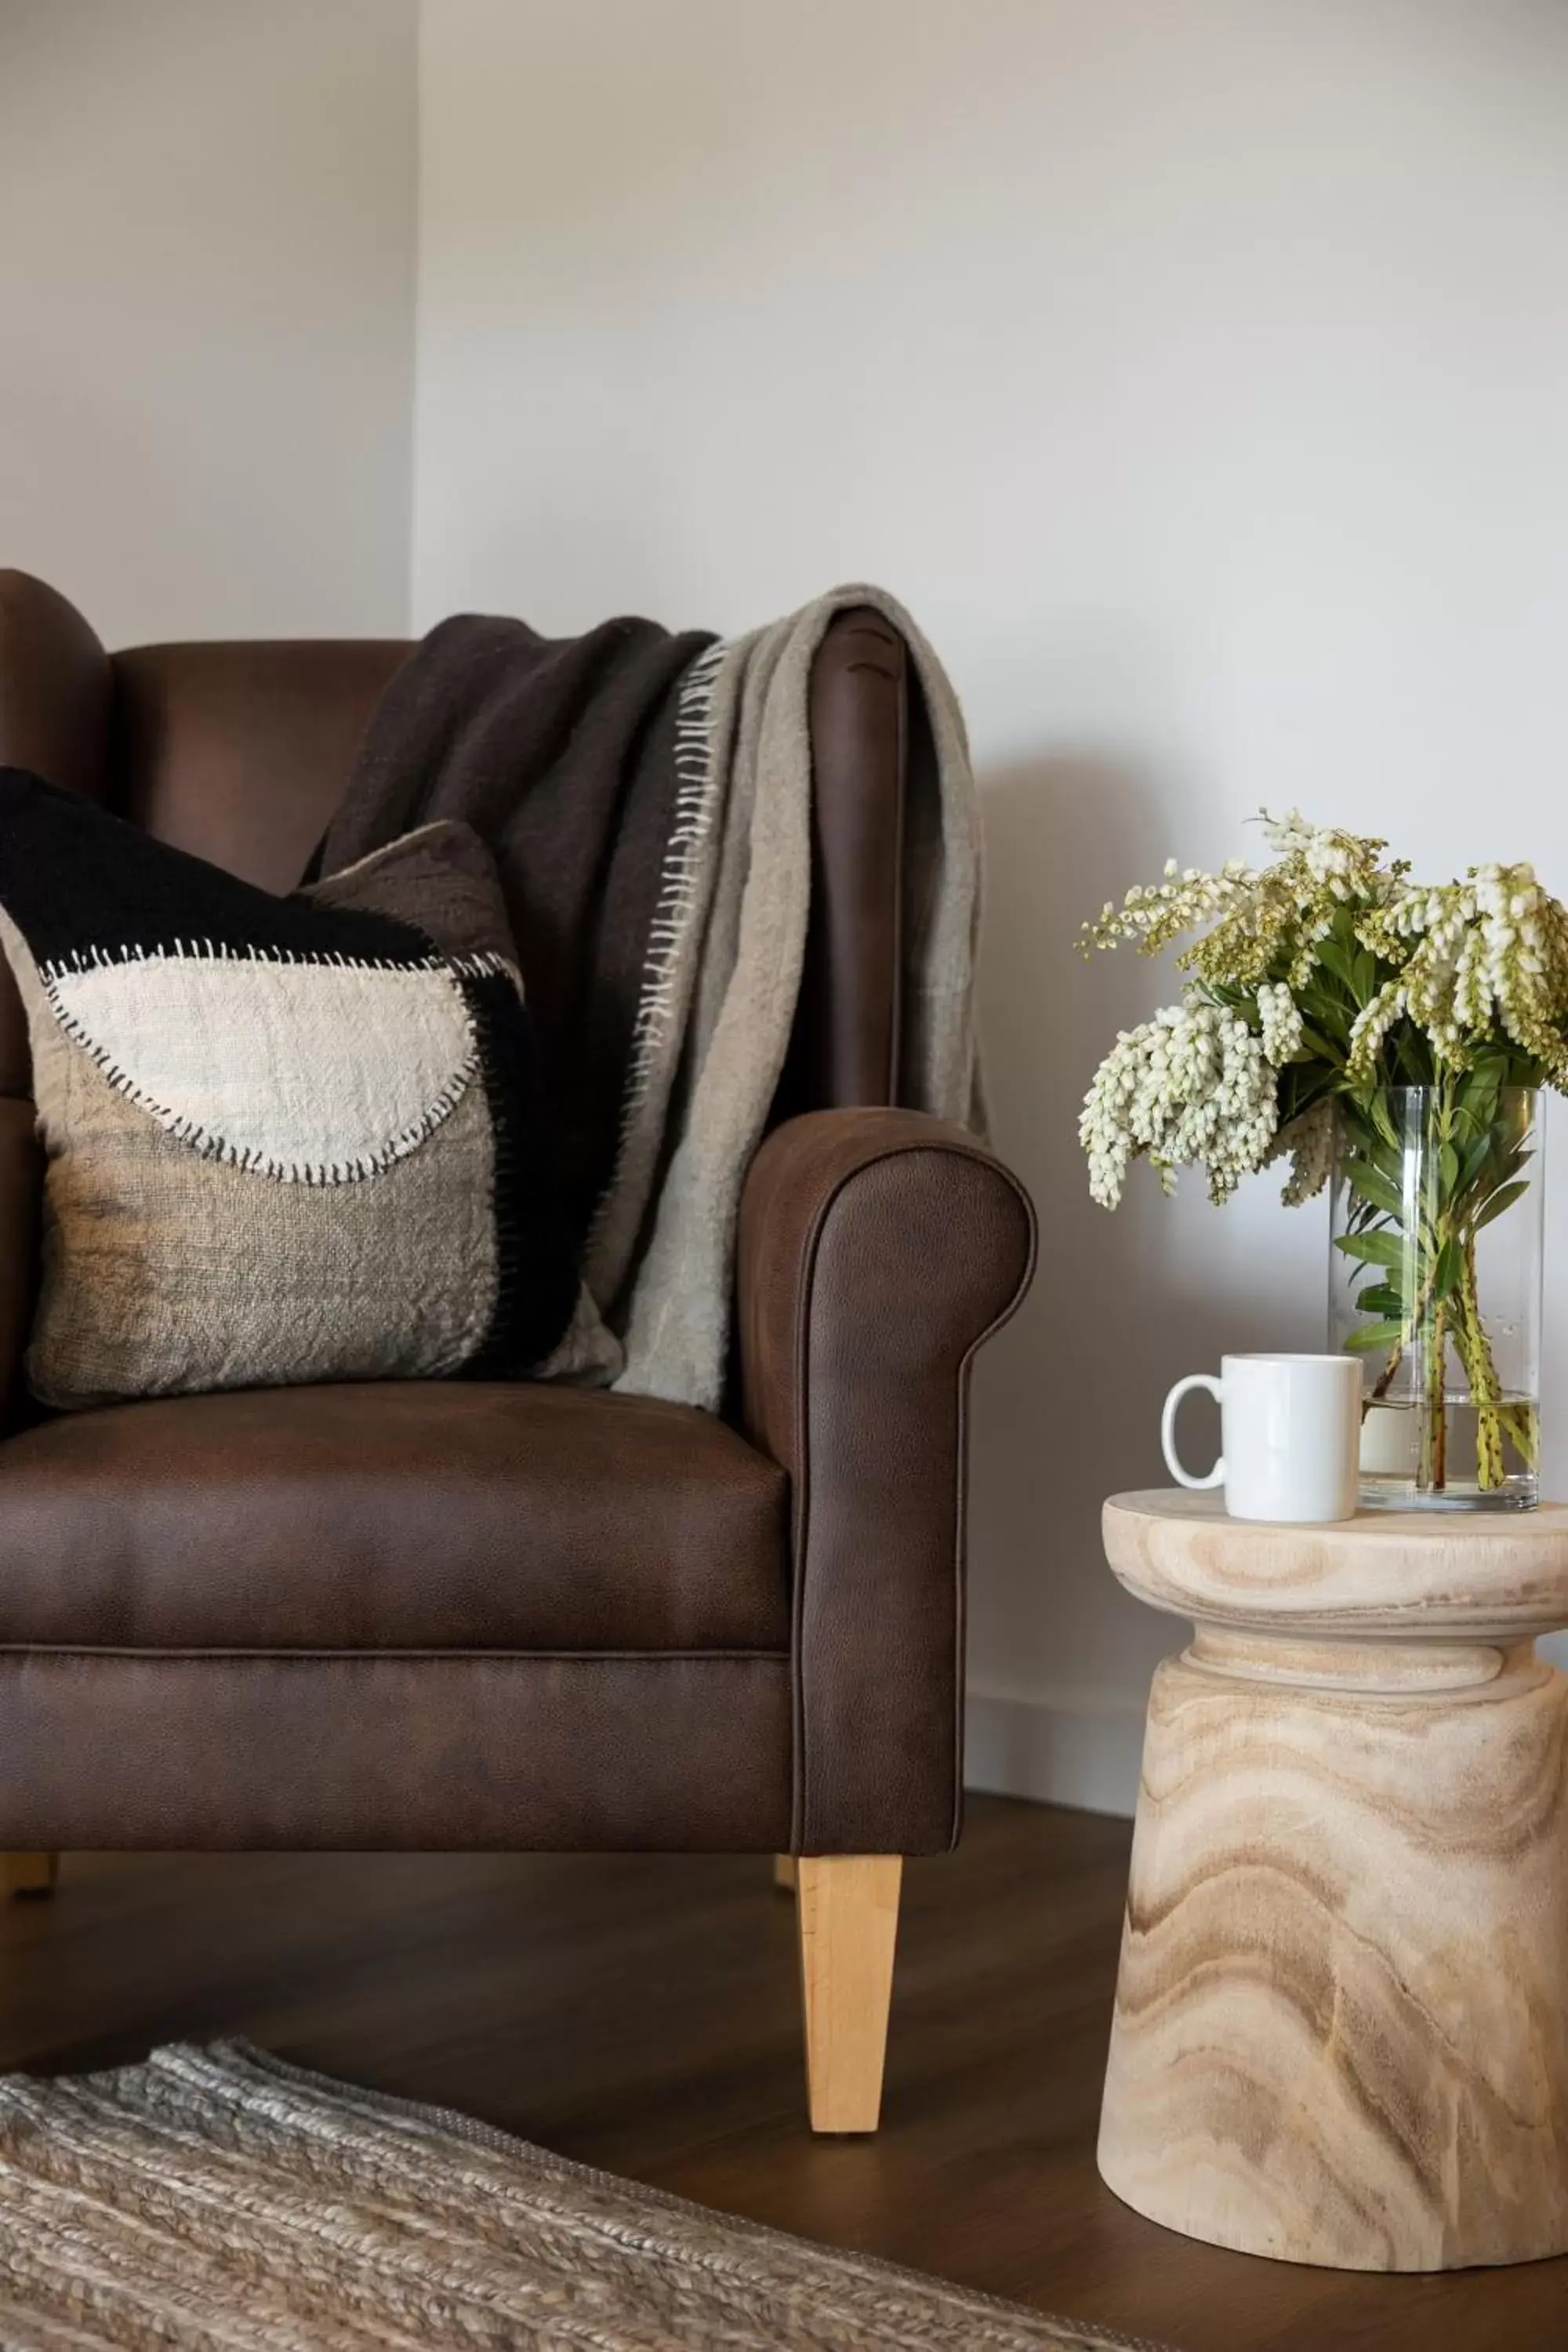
x=287, y=1140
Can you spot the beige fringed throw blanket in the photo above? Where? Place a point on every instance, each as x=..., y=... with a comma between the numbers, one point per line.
x=647, y=798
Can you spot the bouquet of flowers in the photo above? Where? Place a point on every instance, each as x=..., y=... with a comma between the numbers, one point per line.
x=1319, y=984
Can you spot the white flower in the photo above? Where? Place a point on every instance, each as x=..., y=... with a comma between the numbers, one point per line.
x=1192, y=1086
x=1372, y=1023
x=1307, y=1142
x=1281, y=1018
x=1486, y=953
x=1397, y=975
x=1331, y=854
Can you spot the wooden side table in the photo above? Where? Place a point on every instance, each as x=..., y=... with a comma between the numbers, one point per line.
x=1342, y=2018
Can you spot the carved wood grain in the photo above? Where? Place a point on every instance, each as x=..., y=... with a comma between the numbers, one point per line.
x=1342, y=2022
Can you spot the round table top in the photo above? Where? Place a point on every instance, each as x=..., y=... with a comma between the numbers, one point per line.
x=1497, y=1575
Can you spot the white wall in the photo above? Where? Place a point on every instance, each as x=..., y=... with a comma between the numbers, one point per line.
x=1197, y=370
x=207, y=311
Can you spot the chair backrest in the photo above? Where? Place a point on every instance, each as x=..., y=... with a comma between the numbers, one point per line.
x=241, y=752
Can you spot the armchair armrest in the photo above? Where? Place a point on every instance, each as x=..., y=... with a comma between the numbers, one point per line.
x=21, y=1180
x=878, y=1250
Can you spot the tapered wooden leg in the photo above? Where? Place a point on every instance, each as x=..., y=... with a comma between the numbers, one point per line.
x=30, y=1873
x=849, y=1917
x=784, y=1873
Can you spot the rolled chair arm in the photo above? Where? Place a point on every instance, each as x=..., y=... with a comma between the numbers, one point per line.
x=878, y=1250
x=21, y=1180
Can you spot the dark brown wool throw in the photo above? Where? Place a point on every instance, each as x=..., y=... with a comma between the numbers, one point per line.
x=646, y=798
x=561, y=753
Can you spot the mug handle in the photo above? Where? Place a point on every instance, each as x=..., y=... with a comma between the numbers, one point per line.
x=1168, y=1430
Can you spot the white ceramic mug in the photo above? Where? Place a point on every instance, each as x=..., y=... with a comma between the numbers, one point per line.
x=1289, y=1435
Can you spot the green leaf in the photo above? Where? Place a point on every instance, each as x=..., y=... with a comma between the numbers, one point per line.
x=1335, y=956
x=1374, y=1186
x=1448, y=1167
x=1476, y=1157
x=1383, y=1121
x=1412, y=1055
x=1377, y=1247
x=1450, y=1265
x=1478, y=1095
x=1375, y=1335
x=1501, y=1199
x=1363, y=977
x=1334, y=1025
x=1381, y=1299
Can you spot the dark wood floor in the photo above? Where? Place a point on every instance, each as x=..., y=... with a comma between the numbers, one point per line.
x=641, y=2014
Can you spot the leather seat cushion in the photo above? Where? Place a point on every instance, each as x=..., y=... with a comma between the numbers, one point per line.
x=408, y=1516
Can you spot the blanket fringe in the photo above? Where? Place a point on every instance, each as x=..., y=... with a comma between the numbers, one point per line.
x=697, y=797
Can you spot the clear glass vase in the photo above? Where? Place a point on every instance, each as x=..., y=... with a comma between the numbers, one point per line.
x=1435, y=1283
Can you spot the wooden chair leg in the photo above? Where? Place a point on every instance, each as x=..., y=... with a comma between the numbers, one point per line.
x=30, y=1873
x=849, y=1919
x=784, y=1873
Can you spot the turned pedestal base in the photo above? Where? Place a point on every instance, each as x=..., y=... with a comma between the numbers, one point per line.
x=1341, y=2019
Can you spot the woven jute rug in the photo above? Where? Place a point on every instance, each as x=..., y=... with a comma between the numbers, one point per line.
x=216, y=2197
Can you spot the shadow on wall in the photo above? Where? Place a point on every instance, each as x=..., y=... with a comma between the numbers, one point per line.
x=1067, y=1401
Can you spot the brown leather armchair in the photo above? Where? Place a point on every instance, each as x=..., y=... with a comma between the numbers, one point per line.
x=470, y=1615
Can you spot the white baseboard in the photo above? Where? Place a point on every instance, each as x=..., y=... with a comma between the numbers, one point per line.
x=1062, y=1748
